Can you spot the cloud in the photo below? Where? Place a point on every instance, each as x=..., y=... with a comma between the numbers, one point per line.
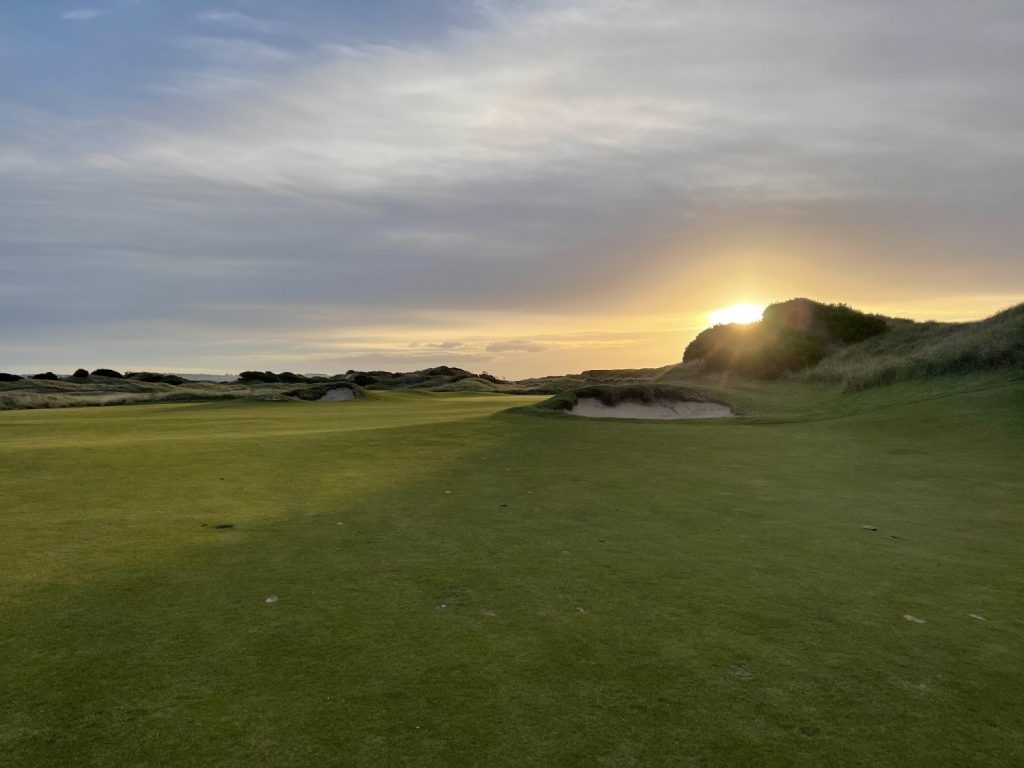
x=578, y=162
x=722, y=100
x=240, y=21
x=515, y=345
x=83, y=14
x=234, y=51
x=446, y=345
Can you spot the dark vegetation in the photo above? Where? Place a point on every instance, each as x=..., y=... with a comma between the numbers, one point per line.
x=269, y=377
x=107, y=373
x=428, y=378
x=792, y=336
x=48, y=376
x=286, y=377
x=9, y=377
x=165, y=378
x=81, y=373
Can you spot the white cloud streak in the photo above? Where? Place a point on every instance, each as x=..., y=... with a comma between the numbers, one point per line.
x=241, y=22
x=726, y=99
x=82, y=14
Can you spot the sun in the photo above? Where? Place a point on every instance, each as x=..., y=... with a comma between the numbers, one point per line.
x=737, y=313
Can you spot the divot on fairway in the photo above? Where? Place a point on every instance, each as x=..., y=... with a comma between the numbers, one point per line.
x=271, y=599
x=914, y=619
x=976, y=616
x=224, y=526
x=741, y=672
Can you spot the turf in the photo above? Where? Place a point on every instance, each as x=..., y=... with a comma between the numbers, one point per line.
x=462, y=586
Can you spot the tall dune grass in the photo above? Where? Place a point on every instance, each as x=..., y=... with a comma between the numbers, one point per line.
x=921, y=350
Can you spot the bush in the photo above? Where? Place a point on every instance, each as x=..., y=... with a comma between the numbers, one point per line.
x=786, y=351
x=848, y=326
x=251, y=377
x=108, y=373
x=9, y=377
x=48, y=376
x=157, y=378
x=287, y=377
x=81, y=373
x=828, y=323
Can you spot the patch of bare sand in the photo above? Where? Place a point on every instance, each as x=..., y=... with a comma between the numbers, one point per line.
x=339, y=394
x=659, y=409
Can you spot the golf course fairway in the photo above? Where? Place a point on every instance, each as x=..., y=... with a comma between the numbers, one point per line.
x=432, y=580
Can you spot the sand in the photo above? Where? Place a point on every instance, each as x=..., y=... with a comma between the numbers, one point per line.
x=659, y=409
x=341, y=393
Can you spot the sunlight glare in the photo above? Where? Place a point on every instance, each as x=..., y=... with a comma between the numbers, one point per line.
x=737, y=313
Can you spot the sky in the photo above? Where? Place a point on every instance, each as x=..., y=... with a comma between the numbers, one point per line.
x=525, y=187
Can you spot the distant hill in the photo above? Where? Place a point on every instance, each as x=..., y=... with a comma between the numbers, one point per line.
x=834, y=343
x=799, y=339
x=793, y=335
x=442, y=378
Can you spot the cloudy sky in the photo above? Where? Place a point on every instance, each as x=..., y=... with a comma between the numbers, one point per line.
x=520, y=186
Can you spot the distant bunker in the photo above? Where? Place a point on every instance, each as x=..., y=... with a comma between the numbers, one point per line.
x=330, y=392
x=339, y=393
x=645, y=402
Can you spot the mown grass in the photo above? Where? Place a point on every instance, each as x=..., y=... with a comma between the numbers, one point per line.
x=505, y=590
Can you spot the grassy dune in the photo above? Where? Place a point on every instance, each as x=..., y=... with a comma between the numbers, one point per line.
x=922, y=350
x=458, y=585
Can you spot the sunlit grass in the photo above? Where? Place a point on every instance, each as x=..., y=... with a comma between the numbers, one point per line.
x=458, y=586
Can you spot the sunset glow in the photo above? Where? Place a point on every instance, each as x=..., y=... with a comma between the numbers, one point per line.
x=737, y=313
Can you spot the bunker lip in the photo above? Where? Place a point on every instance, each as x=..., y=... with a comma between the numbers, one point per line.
x=637, y=401
x=661, y=409
x=334, y=391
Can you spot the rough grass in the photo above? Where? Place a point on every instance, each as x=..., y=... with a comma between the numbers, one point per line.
x=505, y=590
x=922, y=350
x=316, y=391
x=34, y=394
x=614, y=394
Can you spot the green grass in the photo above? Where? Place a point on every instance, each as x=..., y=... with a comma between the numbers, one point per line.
x=617, y=593
x=924, y=350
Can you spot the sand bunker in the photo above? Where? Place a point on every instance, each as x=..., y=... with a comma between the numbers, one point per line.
x=341, y=393
x=659, y=409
